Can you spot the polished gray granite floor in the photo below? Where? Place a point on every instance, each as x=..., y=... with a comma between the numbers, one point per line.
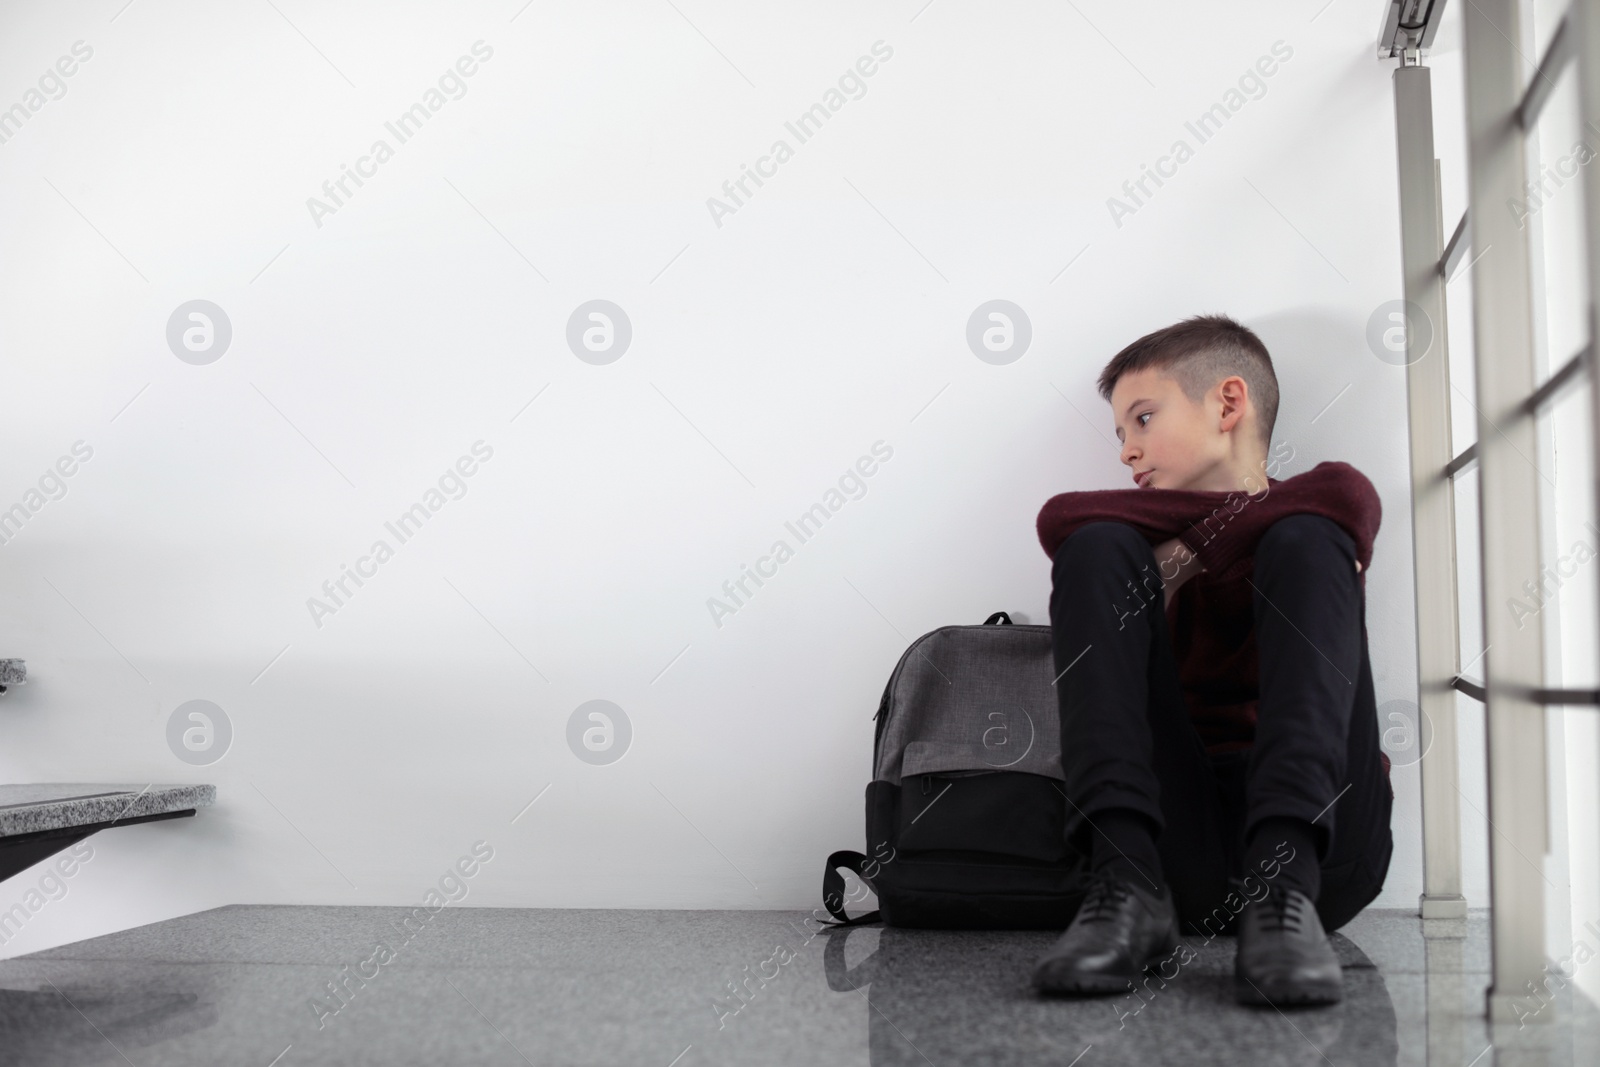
x=257, y=985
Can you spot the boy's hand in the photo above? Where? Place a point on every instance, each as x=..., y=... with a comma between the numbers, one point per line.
x=1358, y=566
x=1176, y=564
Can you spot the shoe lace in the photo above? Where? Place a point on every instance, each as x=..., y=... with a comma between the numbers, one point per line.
x=1281, y=910
x=1103, y=898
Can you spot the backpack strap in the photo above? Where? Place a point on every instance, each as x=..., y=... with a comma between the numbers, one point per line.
x=998, y=618
x=833, y=889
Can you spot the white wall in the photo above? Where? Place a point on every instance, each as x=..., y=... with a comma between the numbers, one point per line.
x=768, y=354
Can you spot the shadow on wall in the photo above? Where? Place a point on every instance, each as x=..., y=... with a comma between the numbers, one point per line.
x=1319, y=359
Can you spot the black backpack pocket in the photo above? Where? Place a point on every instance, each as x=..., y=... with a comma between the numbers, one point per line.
x=968, y=850
x=1007, y=813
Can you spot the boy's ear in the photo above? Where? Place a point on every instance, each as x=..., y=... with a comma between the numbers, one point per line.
x=1234, y=394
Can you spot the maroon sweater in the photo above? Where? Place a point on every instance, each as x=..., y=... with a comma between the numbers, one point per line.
x=1212, y=617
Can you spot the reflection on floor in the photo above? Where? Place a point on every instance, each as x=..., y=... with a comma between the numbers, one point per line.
x=302, y=985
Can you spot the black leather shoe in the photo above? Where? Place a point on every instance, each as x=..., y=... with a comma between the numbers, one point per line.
x=1120, y=929
x=1284, y=955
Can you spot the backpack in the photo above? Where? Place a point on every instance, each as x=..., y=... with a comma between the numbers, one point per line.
x=966, y=809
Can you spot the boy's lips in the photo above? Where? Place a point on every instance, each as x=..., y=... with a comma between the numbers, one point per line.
x=1141, y=477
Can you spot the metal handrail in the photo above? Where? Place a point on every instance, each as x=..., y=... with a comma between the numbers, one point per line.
x=1460, y=241
x=1536, y=402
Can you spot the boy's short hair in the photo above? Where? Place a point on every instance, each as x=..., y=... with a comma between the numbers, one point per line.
x=1198, y=353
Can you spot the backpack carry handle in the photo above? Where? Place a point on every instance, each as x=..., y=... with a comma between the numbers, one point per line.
x=998, y=618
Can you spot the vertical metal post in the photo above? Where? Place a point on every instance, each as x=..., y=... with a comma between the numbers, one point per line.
x=1433, y=511
x=1585, y=28
x=1508, y=510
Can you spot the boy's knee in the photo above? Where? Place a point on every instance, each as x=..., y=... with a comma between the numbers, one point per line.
x=1302, y=536
x=1097, y=539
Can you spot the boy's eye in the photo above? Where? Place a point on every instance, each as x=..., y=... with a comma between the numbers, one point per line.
x=1145, y=415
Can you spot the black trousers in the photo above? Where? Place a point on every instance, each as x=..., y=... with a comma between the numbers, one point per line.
x=1127, y=741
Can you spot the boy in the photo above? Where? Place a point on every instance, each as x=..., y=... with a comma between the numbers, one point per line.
x=1220, y=744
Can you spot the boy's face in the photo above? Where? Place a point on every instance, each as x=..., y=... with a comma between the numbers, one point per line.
x=1168, y=441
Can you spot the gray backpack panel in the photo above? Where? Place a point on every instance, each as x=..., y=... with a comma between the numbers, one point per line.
x=972, y=698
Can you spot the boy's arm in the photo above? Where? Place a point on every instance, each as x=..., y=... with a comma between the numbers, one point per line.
x=1222, y=528
x=1158, y=514
x=1335, y=490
